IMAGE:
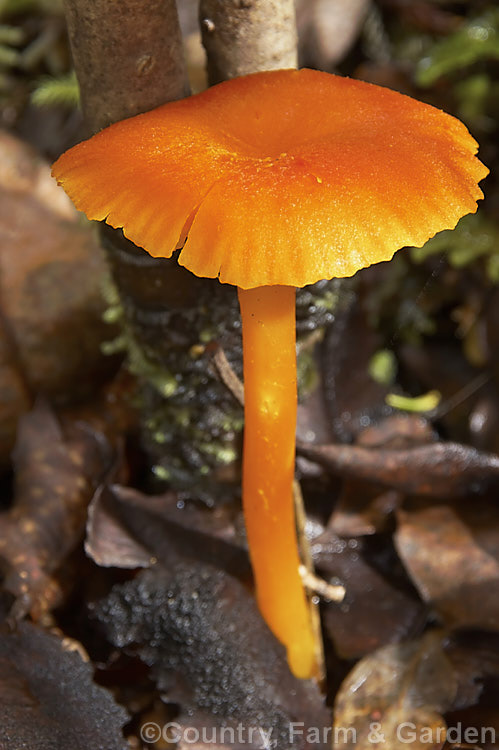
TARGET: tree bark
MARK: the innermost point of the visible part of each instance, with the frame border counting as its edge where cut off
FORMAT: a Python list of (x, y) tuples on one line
[(128, 56), (245, 36)]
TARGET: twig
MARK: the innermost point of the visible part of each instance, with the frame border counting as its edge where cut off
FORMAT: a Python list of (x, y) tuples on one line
[(306, 572), (228, 376), (327, 591)]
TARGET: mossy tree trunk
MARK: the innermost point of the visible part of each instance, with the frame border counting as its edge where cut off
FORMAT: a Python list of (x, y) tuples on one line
[(129, 58)]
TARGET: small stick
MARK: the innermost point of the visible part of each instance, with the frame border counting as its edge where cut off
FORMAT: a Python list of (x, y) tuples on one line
[(307, 574), (327, 591), (228, 376)]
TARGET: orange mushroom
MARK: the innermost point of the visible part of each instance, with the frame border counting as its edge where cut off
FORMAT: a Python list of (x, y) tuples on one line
[(269, 182)]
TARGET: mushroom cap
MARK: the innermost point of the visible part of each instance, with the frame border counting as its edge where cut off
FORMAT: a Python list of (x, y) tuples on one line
[(282, 177)]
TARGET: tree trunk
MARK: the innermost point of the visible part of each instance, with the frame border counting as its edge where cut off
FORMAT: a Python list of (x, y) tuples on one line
[(242, 37), (128, 56)]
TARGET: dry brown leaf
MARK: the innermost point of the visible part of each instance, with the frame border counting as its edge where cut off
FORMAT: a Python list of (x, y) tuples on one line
[(364, 507), (128, 529), (374, 612), (437, 470), (395, 693), (55, 479), (453, 572), (51, 272)]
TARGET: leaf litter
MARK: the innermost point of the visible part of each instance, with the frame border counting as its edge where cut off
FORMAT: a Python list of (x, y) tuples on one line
[(48, 699)]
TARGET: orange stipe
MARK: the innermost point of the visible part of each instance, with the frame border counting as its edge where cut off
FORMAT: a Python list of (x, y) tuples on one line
[(268, 316)]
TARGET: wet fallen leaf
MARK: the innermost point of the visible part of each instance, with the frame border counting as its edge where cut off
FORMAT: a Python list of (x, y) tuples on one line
[(483, 420), (210, 650), (444, 367), (375, 610), (48, 700), (453, 563), (439, 470), (396, 695), (54, 481), (475, 657), (365, 507), (127, 529)]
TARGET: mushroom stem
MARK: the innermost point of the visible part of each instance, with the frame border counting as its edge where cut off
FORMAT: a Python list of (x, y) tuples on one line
[(269, 352)]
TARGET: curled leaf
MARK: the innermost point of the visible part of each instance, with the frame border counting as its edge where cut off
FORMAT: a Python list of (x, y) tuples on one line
[(438, 469)]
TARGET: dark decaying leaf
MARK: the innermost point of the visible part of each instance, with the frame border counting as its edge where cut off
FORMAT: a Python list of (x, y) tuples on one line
[(375, 611), (209, 649), (437, 470), (127, 529), (475, 657), (364, 507), (55, 477), (353, 399), (411, 683), (48, 700), (108, 541), (453, 560)]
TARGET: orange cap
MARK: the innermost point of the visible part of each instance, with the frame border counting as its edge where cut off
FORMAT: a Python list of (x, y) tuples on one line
[(283, 177)]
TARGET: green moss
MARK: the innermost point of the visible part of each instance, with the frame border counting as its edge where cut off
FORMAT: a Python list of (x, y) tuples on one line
[(62, 91), (401, 302), (161, 473), (224, 455), (11, 38), (18, 7), (115, 346), (477, 40), (307, 377)]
